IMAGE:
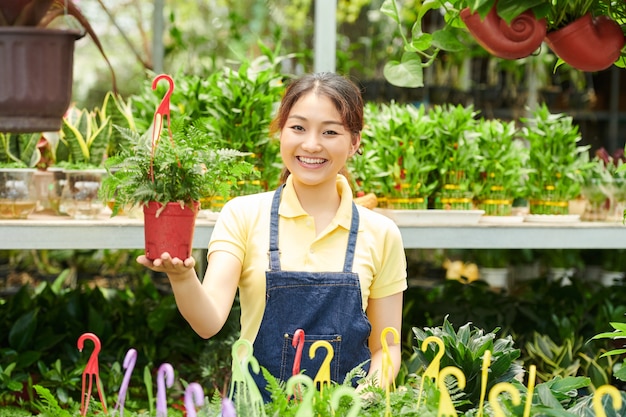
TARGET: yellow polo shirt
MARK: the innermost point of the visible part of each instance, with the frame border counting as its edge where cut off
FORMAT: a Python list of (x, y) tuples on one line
[(243, 230)]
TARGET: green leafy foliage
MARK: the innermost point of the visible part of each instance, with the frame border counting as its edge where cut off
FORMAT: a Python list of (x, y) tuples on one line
[(464, 349), (556, 158), (182, 168), (19, 149)]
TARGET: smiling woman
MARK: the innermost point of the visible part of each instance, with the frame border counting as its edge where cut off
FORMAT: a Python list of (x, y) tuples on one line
[(337, 270)]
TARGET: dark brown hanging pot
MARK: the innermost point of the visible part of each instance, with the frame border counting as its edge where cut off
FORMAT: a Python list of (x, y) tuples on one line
[(36, 73), (517, 40), (588, 43)]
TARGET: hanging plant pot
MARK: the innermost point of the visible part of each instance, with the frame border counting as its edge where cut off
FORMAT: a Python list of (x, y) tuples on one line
[(588, 43), (517, 40), (36, 84), (169, 229)]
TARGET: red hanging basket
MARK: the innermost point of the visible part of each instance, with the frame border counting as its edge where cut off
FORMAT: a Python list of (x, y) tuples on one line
[(588, 43), (169, 229), (518, 40)]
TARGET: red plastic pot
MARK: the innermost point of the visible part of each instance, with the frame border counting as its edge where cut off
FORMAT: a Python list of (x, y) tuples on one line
[(517, 40), (169, 229), (588, 43)]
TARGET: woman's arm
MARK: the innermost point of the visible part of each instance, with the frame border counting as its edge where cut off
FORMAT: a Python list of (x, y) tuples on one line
[(205, 305), (382, 313)]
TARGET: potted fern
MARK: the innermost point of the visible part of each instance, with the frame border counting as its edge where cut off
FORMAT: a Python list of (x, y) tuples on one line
[(167, 174)]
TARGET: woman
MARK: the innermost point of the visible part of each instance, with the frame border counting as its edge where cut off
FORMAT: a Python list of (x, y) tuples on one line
[(303, 256)]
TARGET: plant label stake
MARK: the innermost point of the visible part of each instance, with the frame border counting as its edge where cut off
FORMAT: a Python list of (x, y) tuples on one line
[(165, 378), (92, 371), (129, 364)]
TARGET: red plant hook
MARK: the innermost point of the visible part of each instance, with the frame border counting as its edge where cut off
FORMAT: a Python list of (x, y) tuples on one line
[(162, 113), (92, 370), (298, 343)]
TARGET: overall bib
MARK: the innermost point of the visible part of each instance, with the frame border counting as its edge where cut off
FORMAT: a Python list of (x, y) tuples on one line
[(325, 305)]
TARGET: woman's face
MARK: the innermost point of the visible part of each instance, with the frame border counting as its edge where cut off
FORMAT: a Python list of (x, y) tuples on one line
[(314, 143)]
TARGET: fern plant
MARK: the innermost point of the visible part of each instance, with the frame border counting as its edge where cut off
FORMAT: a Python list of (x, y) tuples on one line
[(182, 168)]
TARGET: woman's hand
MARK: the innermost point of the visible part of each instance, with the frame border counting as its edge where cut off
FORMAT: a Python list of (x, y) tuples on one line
[(175, 268)]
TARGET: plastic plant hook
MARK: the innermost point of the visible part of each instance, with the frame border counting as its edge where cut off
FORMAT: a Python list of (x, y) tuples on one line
[(298, 343), (323, 374), (612, 392), (387, 364), (499, 388), (129, 364), (91, 371), (162, 113), (446, 406), (194, 397), (165, 377), (305, 409), (346, 391), (532, 376), (242, 385), (432, 371), (484, 378)]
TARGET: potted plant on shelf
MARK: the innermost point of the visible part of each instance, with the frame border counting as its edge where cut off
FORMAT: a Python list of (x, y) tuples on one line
[(556, 159), (81, 151), (501, 167), (454, 141), (404, 157), (167, 174), (19, 155), (36, 62)]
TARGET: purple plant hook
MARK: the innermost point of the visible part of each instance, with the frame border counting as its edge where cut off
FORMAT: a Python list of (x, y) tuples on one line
[(228, 408), (165, 377), (129, 364), (194, 397)]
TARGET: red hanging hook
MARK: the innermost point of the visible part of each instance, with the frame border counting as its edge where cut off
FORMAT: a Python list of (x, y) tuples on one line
[(92, 370), (298, 343), (162, 113)]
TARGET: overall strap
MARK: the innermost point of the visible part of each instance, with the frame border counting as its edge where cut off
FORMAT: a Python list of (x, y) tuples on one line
[(274, 251), (350, 250)]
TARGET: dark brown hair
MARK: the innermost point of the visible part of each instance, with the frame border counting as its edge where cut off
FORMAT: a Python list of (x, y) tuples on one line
[(345, 95)]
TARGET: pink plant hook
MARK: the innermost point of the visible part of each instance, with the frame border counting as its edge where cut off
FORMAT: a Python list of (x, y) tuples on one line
[(298, 343), (165, 378), (194, 397), (129, 364), (91, 370), (162, 113)]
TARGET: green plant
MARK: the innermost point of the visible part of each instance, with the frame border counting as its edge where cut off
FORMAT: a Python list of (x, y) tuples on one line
[(618, 334), (502, 161), (403, 156), (464, 348), (19, 149), (556, 159), (85, 134), (182, 168)]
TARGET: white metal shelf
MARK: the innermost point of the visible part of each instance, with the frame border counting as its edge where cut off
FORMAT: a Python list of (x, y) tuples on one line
[(49, 232)]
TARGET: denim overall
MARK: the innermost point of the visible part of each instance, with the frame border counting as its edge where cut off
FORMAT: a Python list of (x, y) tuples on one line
[(325, 305)]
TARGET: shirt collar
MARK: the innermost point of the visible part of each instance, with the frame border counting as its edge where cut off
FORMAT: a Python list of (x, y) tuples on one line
[(290, 205)]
